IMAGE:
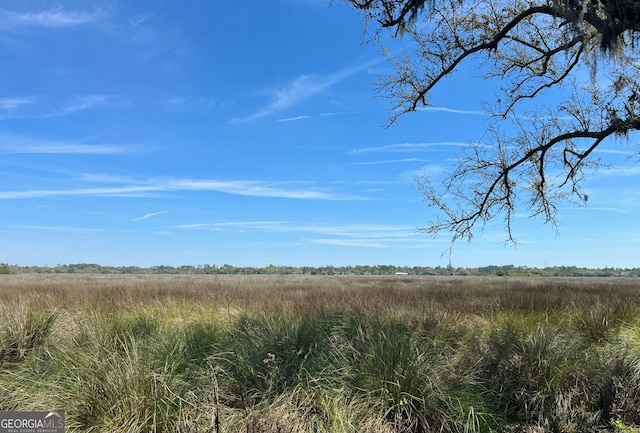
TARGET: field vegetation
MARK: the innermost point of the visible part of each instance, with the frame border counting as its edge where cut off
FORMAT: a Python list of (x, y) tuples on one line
[(302, 353), (483, 271)]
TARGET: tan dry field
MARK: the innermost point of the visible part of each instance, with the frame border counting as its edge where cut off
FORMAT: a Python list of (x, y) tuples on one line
[(302, 353), (468, 295)]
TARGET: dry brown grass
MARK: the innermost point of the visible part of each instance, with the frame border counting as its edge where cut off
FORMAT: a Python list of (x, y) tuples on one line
[(296, 293), (275, 353)]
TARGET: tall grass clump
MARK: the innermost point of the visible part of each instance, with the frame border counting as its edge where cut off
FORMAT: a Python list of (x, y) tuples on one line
[(271, 354), (409, 373), (601, 322), (121, 372), (143, 377), (122, 390), (541, 373), (623, 361), (22, 329)]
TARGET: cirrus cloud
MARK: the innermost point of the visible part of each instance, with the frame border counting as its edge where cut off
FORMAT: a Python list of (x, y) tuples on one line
[(47, 18)]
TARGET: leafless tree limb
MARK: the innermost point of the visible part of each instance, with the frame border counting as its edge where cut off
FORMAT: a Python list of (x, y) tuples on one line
[(533, 47)]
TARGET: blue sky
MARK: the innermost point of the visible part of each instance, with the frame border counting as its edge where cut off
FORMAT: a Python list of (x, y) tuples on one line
[(249, 133)]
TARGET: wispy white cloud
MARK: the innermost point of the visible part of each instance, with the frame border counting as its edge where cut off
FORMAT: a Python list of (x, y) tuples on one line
[(347, 235), (10, 104), (136, 20), (47, 18), (430, 170), (368, 231), (455, 111), (238, 187), (59, 229), (15, 144), (486, 113), (254, 188), (337, 113), (390, 161), (620, 171), (149, 215), (105, 178), (194, 226), (605, 209), (408, 147), (362, 243), (291, 119), (182, 104), (175, 103), (302, 88), (163, 232), (299, 3), (41, 108), (616, 152), (89, 102), (415, 241), (83, 149), (251, 224), (242, 225), (44, 193)]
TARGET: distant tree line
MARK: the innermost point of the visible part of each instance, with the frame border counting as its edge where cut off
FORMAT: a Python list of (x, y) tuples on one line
[(492, 270)]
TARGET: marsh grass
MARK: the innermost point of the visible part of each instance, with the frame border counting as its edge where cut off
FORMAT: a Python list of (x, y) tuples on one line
[(322, 354), (23, 328)]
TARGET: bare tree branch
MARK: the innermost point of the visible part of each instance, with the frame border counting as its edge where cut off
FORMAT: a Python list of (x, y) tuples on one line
[(533, 48)]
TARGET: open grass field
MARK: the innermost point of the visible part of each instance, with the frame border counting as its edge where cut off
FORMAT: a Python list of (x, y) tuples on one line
[(181, 353)]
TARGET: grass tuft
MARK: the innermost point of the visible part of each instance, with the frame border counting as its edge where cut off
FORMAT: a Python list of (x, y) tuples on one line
[(22, 329)]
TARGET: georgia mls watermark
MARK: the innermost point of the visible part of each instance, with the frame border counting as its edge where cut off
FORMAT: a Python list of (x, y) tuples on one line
[(32, 422)]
